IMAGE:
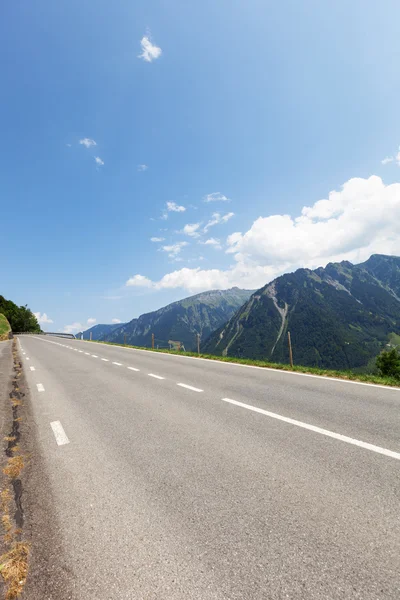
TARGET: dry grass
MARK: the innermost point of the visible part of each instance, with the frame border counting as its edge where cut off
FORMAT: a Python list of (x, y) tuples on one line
[(10, 438), (14, 569), (6, 522), (14, 467), (16, 402), (5, 499)]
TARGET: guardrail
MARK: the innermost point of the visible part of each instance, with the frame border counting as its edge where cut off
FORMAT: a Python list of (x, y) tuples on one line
[(52, 333)]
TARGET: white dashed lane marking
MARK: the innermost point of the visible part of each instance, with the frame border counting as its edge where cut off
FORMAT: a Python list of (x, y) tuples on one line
[(189, 387), (105, 359), (32, 368), (155, 376), (59, 433), (40, 387), (27, 357), (95, 356), (133, 369), (118, 364)]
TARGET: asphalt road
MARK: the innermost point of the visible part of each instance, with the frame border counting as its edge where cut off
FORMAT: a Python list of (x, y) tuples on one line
[(160, 491)]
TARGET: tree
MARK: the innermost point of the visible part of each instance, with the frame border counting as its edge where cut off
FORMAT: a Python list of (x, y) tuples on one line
[(388, 362), (20, 318)]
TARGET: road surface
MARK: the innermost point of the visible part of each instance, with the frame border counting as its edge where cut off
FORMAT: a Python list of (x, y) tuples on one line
[(174, 478)]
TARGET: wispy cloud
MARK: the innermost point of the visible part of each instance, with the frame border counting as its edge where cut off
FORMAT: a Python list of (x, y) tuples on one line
[(42, 318), (150, 51), (73, 328), (174, 250), (218, 219), (99, 161), (387, 160), (216, 197), (173, 207), (142, 168), (191, 229), (91, 321), (157, 239), (115, 321), (87, 142), (214, 242)]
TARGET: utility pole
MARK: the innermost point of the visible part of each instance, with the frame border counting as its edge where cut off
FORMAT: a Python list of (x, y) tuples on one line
[(290, 349), (198, 344), (152, 341)]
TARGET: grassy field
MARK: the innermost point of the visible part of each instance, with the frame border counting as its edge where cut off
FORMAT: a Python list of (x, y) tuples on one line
[(4, 327), (349, 375)]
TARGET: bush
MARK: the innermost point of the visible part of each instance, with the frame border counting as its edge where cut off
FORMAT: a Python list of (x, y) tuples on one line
[(388, 363)]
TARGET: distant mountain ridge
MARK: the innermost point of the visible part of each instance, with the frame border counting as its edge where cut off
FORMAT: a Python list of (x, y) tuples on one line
[(182, 320), (339, 316), (100, 330)]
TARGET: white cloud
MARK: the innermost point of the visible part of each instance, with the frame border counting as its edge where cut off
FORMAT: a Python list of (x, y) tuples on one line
[(115, 321), (218, 219), (87, 142), (139, 281), (174, 249), (150, 51), (42, 318), (142, 168), (157, 239), (387, 160), (351, 224), (99, 161), (216, 197), (73, 328), (214, 242), (91, 321), (398, 158), (173, 207), (191, 229)]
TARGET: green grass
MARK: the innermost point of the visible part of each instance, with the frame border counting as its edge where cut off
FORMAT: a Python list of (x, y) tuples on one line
[(4, 327), (349, 375)]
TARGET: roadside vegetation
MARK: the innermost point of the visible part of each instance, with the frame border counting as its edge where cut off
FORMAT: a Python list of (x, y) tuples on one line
[(383, 375), (20, 318), (4, 327)]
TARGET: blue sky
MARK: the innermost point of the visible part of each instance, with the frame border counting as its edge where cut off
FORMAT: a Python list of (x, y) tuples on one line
[(263, 108)]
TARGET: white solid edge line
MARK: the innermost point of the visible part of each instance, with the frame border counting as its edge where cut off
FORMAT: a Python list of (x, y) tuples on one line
[(118, 364), (326, 432), (155, 376), (133, 369), (40, 387), (105, 359), (59, 433), (32, 368), (233, 364), (189, 387)]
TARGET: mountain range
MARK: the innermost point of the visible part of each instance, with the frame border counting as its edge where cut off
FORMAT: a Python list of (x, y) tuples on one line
[(180, 321), (339, 317)]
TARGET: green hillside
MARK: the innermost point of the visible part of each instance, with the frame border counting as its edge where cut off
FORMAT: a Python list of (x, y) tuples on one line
[(4, 327), (339, 317)]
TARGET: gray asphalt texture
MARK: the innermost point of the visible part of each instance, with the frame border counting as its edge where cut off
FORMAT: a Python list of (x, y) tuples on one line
[(165, 493)]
